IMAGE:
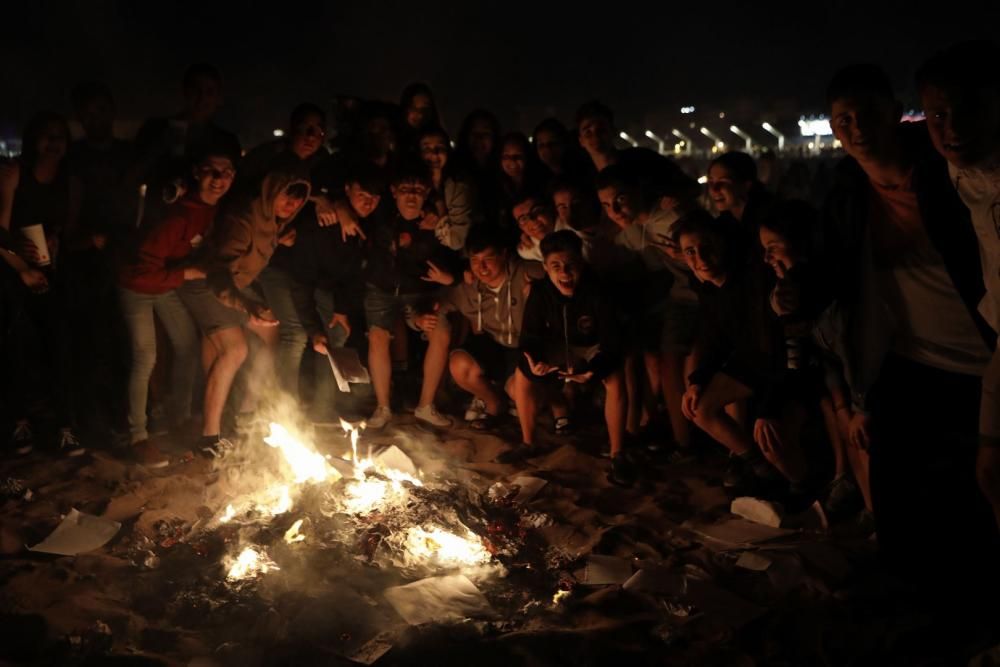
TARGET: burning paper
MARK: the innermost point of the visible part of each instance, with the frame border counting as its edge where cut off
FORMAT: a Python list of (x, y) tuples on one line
[(306, 463), (292, 535), (377, 483), (446, 549), (438, 599), (249, 564)]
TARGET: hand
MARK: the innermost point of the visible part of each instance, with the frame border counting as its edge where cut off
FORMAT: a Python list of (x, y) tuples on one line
[(765, 434), (785, 298), (29, 251), (525, 243), (427, 322), (288, 240), (263, 317), (689, 402), (860, 431), (326, 215), (467, 277), (429, 221), (668, 246), (35, 280), (436, 275), (193, 273), (342, 320), (319, 343), (10, 176), (539, 368), (579, 378)]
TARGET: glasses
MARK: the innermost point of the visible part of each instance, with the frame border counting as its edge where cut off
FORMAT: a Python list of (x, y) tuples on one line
[(217, 174), (537, 213)]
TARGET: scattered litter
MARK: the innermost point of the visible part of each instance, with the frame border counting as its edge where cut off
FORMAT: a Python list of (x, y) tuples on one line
[(749, 560), (604, 570), (438, 599), (759, 511), (78, 533)]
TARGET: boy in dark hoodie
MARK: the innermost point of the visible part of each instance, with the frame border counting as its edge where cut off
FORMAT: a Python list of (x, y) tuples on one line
[(569, 334), (229, 298), (407, 266)]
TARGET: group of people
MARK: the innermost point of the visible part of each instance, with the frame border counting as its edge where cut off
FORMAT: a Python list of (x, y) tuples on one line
[(536, 275)]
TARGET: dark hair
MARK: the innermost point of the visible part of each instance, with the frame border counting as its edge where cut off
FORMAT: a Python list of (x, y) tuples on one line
[(564, 240), (615, 176), (484, 237), (411, 170), (411, 91), (33, 130), (797, 222), (519, 198), (516, 138), (964, 66), (740, 166), (303, 111), (198, 70), (367, 175), (84, 93), (462, 149), (594, 109), (218, 144), (859, 80), (552, 125)]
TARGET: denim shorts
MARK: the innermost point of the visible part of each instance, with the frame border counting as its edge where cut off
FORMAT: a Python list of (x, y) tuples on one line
[(383, 309), (208, 312)]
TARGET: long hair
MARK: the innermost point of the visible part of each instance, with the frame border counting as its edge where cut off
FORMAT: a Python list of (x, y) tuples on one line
[(34, 129)]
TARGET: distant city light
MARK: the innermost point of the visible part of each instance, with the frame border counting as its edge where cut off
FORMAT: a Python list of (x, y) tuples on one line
[(279, 133), (687, 109), (815, 126)]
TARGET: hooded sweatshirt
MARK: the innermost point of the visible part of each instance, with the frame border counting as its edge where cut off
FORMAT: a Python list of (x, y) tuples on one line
[(585, 319), (249, 234), (499, 313)]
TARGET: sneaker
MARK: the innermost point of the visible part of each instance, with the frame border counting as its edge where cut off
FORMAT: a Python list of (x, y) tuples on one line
[(563, 426), (149, 455), (22, 441), (379, 418), (430, 415), (476, 409), (69, 444), (842, 497), (215, 447), (622, 473)]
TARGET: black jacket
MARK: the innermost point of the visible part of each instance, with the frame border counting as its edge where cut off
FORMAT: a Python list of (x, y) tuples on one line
[(399, 252)]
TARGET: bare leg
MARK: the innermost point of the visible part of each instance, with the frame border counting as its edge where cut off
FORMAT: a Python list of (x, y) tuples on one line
[(526, 400), (861, 466), (435, 361), (614, 411), (231, 349), (787, 456), (262, 370), (634, 392), (837, 439), (469, 376), (712, 416), (380, 364), (672, 380)]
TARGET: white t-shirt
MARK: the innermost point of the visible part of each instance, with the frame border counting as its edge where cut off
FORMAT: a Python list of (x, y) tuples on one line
[(980, 190)]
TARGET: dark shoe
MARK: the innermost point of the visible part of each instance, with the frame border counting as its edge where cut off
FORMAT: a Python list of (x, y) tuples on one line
[(843, 497), (516, 455), (149, 455), (563, 426), (22, 441), (622, 473), (69, 444)]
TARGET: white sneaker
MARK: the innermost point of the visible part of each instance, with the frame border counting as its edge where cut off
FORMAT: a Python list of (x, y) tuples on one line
[(430, 415), (69, 445), (379, 418), (477, 408)]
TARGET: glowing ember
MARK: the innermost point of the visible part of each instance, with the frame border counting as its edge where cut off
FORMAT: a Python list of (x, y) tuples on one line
[(307, 464), (228, 516), (292, 535), (559, 597), (250, 563), (444, 548)]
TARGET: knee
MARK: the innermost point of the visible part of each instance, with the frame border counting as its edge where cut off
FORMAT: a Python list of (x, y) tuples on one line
[(378, 338), (460, 366), (234, 352)]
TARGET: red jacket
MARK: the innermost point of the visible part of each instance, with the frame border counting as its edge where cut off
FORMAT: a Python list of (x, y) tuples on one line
[(160, 265)]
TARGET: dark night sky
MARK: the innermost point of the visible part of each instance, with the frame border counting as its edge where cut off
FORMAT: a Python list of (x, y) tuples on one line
[(519, 58)]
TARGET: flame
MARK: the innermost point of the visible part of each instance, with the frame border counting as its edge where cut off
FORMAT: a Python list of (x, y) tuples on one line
[(306, 463), (445, 548), (250, 563), (367, 492), (559, 597), (292, 535), (228, 516)]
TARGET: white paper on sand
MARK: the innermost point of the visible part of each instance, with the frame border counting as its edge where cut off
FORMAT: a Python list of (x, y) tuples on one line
[(347, 368), (394, 458), (736, 533), (78, 533), (749, 560), (759, 511), (604, 570), (530, 486), (438, 599)]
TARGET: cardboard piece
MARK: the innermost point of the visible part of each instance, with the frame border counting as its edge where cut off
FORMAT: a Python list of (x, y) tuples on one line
[(438, 599), (78, 533), (750, 560), (373, 649), (347, 368), (759, 511), (394, 458)]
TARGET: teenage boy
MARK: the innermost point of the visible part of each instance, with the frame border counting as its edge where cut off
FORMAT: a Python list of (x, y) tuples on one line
[(407, 265), (493, 303), (962, 103), (569, 335)]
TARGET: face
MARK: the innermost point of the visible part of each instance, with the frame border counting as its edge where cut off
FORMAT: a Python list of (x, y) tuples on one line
[(410, 199), (595, 135), (381, 138), (703, 258), (550, 149), (202, 98), (52, 142), (363, 202), (97, 116), (214, 177), (434, 151), (307, 137), (618, 205), (726, 193), (865, 127), (419, 111), (489, 266), (564, 269), (964, 125), (564, 201), (513, 160), (534, 219), (777, 254), (481, 140), (289, 201)]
